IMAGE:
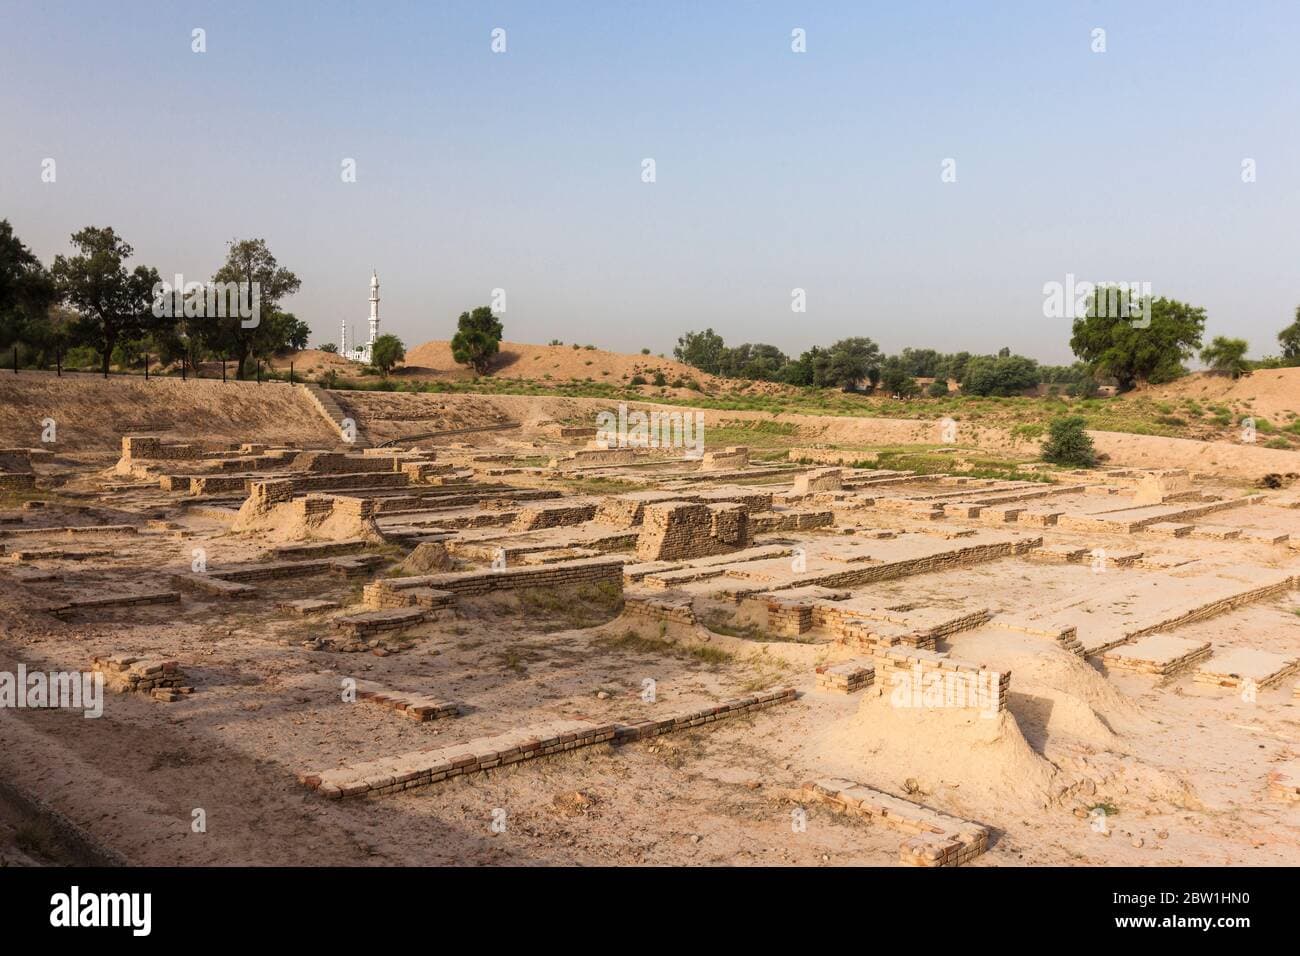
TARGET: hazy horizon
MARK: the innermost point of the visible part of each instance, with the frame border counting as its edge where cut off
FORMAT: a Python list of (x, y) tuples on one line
[(775, 170)]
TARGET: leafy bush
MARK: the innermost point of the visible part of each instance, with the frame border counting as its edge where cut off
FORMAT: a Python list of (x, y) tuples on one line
[(938, 389), (1068, 443)]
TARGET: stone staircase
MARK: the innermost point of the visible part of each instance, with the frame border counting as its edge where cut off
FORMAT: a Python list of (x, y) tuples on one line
[(329, 406)]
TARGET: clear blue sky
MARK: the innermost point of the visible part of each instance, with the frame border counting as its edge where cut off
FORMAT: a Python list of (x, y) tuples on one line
[(775, 170)]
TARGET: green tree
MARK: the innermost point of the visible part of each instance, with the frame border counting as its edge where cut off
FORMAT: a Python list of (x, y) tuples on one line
[(800, 371), (1068, 443), (1122, 349), (1001, 375), (847, 363), (477, 339), (26, 292), (388, 350), (757, 362), (938, 388), (1289, 339), (896, 377), (250, 263), (112, 304), (1226, 356), (921, 363), (703, 350)]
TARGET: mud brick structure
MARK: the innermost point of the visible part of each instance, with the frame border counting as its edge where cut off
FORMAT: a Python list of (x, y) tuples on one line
[(681, 529), (725, 459), (433, 765), (147, 448), (368, 624), (819, 479), (699, 716), (965, 683), (553, 516), (1039, 517), (1130, 520), (847, 677), (1242, 666), (421, 768), (99, 602), (787, 616), (418, 707), (11, 482), (595, 458), (936, 839), (1157, 654), (1169, 529), (771, 522), (1066, 635), (877, 628), (218, 587), (913, 508), (304, 606), (628, 511), (673, 609), (126, 674), (58, 554), (404, 592)]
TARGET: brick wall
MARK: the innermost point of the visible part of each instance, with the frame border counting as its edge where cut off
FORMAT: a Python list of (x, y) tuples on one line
[(684, 530)]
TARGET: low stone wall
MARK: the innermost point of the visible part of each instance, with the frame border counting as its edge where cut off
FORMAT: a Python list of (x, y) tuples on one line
[(1131, 520), (552, 516), (417, 707), (847, 677), (698, 717), (773, 522), (368, 624), (11, 482), (819, 479), (393, 592), (1158, 654), (424, 767), (734, 457), (674, 610), (937, 838)]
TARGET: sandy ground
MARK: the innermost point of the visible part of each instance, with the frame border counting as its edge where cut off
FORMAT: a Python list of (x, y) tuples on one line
[(1271, 393)]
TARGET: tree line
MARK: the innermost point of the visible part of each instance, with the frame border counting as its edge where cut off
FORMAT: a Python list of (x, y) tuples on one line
[(857, 364), (94, 306), (1148, 341)]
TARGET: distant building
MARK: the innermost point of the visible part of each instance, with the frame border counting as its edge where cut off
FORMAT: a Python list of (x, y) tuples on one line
[(362, 353)]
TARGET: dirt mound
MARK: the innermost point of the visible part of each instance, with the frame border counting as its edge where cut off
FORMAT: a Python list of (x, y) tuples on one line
[(92, 413), (1272, 393), (1054, 694), (428, 557), (970, 761), (518, 360)]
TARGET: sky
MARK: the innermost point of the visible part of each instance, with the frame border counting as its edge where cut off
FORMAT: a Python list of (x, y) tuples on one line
[(774, 170)]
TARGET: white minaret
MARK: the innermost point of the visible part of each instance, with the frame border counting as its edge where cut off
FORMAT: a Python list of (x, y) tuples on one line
[(343, 338), (374, 306)]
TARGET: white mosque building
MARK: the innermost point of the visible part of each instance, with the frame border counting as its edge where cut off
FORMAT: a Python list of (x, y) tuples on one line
[(362, 352)]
